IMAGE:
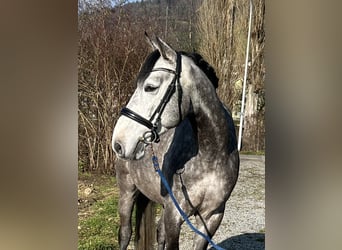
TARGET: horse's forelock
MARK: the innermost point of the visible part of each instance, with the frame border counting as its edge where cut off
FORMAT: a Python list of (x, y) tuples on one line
[(147, 66), (152, 58)]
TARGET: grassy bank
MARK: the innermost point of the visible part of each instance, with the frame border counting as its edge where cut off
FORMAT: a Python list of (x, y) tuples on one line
[(98, 218)]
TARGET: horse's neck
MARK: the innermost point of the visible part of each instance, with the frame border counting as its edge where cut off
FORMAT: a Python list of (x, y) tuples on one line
[(212, 127)]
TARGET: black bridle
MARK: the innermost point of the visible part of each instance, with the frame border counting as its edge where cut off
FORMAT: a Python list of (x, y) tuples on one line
[(153, 135)]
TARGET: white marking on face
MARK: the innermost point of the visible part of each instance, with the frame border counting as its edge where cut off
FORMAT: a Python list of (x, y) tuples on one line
[(144, 101)]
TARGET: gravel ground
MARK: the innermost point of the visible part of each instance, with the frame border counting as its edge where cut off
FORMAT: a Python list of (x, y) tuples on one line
[(243, 225)]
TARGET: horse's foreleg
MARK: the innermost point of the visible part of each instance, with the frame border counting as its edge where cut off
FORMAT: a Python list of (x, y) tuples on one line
[(128, 192), (172, 226), (161, 233), (207, 225), (126, 203)]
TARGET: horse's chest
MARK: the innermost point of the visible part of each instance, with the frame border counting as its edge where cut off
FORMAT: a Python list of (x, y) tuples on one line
[(147, 181)]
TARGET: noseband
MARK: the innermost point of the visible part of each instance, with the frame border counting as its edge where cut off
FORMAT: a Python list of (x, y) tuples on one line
[(154, 123)]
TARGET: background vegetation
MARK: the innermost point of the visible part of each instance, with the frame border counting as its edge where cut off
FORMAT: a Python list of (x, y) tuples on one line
[(112, 47)]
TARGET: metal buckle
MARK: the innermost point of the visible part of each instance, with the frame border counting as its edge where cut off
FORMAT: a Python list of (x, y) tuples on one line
[(150, 137)]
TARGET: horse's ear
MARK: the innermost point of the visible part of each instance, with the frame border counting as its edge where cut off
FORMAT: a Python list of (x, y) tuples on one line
[(165, 50), (152, 43)]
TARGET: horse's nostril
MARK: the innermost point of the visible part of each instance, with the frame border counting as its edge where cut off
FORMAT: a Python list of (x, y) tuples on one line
[(118, 149)]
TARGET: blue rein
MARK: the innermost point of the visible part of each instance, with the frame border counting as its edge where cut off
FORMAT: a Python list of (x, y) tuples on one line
[(182, 213)]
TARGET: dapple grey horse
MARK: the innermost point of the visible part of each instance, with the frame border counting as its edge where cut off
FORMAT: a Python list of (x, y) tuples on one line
[(176, 108)]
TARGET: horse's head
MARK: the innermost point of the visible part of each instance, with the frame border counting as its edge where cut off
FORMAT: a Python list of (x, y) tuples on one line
[(159, 102)]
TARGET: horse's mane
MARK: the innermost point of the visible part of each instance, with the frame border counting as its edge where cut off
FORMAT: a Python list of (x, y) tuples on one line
[(197, 58), (204, 66)]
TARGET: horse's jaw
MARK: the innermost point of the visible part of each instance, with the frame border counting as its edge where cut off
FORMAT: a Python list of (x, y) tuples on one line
[(139, 152)]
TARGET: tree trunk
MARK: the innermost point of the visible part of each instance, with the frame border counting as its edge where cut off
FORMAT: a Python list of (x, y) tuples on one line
[(254, 126), (250, 126)]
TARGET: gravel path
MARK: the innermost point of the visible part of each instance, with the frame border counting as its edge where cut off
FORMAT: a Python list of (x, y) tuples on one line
[(243, 225)]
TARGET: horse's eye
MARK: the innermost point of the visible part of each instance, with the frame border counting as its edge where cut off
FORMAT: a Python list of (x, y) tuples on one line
[(150, 88)]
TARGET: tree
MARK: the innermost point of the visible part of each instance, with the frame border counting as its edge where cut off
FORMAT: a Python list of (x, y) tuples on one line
[(222, 28), (216, 24), (254, 126)]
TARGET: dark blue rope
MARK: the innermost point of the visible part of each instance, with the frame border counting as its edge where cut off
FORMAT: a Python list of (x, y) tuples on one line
[(185, 217)]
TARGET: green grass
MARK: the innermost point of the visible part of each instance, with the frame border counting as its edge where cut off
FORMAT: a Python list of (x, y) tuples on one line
[(98, 231), (99, 223)]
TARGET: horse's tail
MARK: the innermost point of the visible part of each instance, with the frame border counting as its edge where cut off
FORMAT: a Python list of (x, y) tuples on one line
[(145, 233)]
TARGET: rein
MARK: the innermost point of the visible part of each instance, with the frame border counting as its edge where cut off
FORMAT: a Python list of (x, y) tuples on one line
[(154, 123), (173, 198)]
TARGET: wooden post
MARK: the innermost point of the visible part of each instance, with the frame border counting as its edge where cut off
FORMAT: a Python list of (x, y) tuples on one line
[(145, 230)]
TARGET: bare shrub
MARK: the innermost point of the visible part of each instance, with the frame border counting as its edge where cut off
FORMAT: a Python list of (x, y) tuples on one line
[(111, 50)]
